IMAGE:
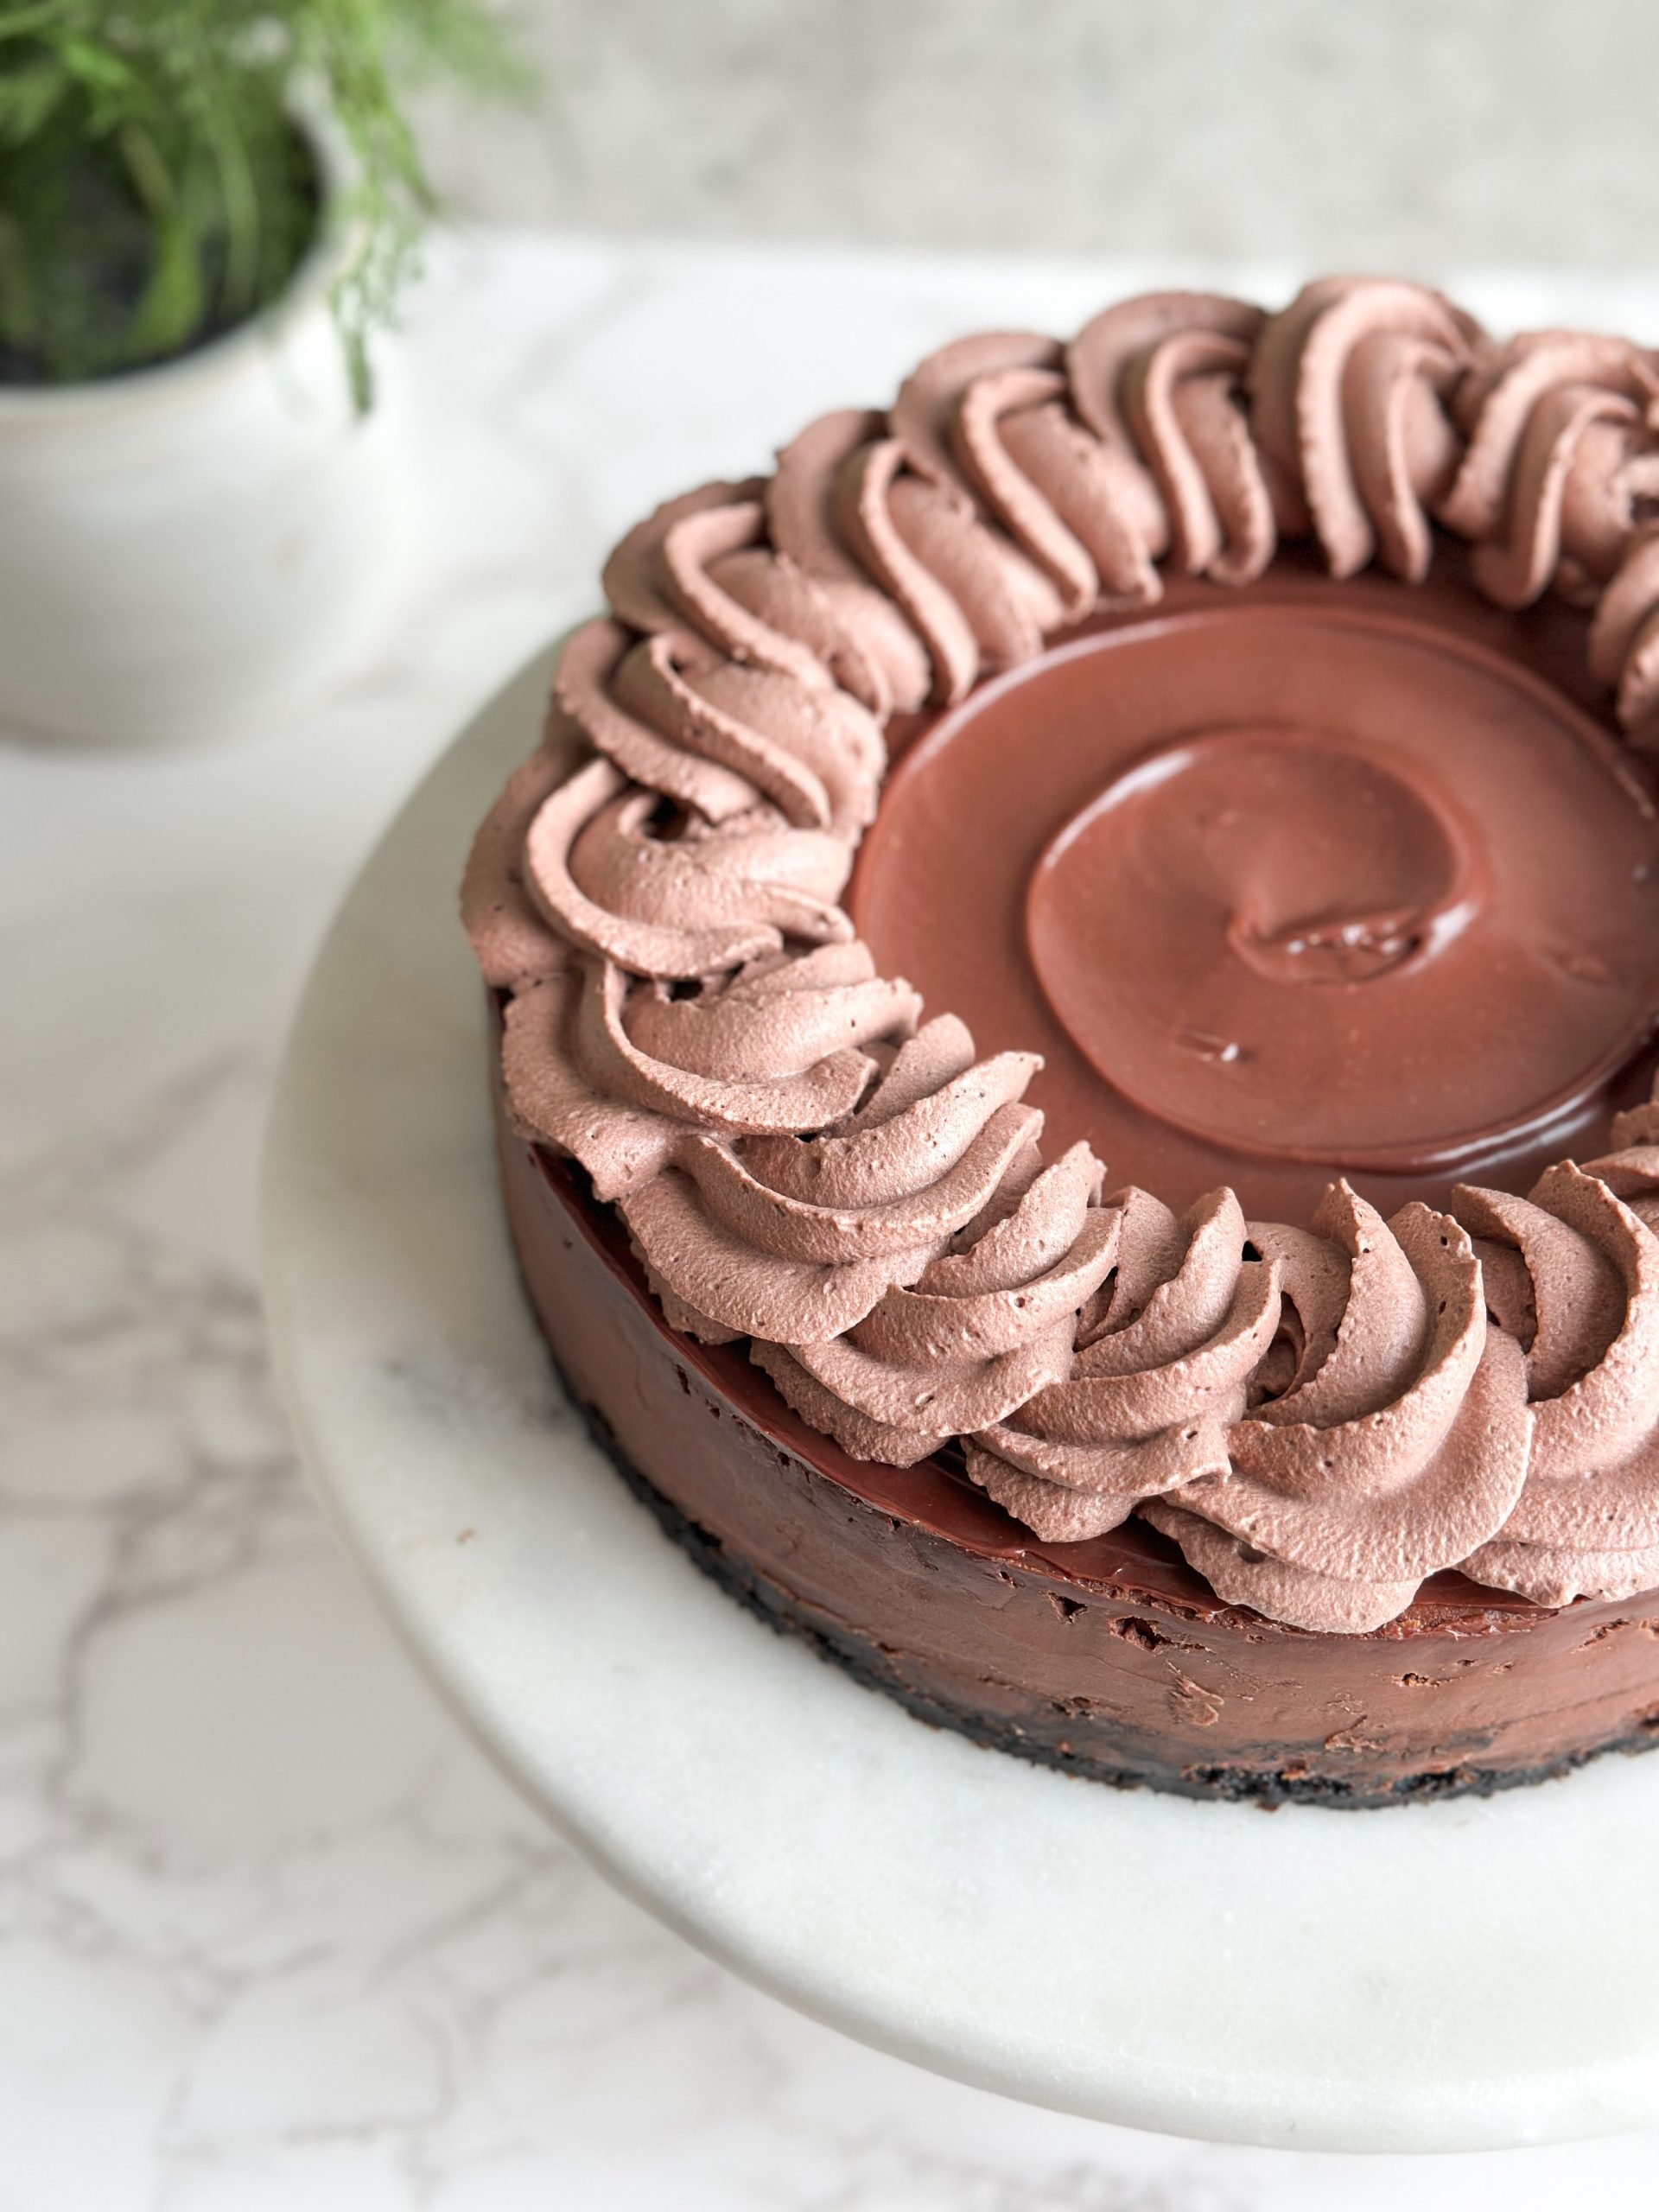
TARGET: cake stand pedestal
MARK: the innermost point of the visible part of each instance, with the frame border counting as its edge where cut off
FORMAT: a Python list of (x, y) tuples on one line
[(1449, 1976)]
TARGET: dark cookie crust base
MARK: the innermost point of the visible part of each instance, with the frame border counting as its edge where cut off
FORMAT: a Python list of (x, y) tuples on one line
[(1109, 1659)]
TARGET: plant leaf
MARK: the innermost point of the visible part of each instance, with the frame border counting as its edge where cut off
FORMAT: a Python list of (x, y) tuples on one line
[(153, 186)]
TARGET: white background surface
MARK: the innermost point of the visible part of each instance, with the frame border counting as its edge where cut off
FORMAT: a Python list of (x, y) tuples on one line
[(274, 1936), (1406, 134)]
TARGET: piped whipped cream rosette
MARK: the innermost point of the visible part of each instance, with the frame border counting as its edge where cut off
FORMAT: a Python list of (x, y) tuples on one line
[(986, 1326), (1163, 1367), (1559, 454), (1160, 382), (1587, 1523), (1321, 1417), (695, 905), (1624, 636), (1401, 1444), (618, 1071), (1351, 386), (794, 1240)]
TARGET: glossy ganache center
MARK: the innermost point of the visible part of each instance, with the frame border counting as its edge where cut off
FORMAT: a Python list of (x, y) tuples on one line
[(1246, 931), (1282, 890)]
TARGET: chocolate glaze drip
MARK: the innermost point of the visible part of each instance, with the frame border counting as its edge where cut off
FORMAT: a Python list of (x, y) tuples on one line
[(1282, 883)]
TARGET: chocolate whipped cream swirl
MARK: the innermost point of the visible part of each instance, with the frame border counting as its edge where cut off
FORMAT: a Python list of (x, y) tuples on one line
[(1319, 1417), (1163, 1367), (1393, 1391)]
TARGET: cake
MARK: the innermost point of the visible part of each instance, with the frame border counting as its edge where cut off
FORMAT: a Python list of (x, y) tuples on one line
[(1075, 977)]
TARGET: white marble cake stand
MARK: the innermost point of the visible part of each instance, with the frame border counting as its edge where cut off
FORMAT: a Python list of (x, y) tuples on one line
[(1449, 1976)]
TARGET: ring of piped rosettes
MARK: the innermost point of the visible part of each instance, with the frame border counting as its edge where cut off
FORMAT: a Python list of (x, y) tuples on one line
[(1319, 1417)]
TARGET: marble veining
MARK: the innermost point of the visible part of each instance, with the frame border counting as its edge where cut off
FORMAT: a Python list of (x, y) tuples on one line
[(272, 1932)]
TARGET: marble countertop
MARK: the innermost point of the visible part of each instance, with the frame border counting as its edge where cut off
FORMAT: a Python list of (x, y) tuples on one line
[(272, 1932)]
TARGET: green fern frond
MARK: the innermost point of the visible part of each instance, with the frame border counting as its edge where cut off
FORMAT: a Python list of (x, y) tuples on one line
[(155, 190)]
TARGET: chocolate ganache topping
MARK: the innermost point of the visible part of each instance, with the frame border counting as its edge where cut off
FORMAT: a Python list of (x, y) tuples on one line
[(1336, 905)]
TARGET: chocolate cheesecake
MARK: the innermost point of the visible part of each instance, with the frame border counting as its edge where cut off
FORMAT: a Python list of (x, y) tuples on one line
[(1221, 1350)]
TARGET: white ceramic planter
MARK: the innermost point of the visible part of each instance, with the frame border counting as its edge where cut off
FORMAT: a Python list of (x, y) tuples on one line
[(191, 550)]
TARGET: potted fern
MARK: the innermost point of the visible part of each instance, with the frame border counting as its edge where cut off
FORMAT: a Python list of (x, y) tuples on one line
[(207, 209)]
